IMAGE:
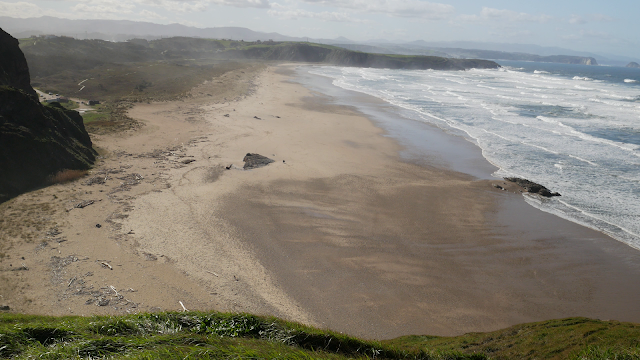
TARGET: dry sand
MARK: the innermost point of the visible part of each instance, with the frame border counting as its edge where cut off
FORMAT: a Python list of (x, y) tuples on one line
[(338, 232)]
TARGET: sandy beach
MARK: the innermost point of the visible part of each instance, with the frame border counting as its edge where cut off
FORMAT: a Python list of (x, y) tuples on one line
[(340, 232)]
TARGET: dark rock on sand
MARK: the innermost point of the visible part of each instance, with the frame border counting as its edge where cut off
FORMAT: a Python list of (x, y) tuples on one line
[(253, 161), (532, 187)]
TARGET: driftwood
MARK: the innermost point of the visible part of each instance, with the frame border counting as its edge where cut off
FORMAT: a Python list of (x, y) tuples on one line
[(183, 308), (84, 204), (106, 264), (211, 272)]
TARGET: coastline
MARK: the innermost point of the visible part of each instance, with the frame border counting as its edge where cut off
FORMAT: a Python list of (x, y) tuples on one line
[(346, 233)]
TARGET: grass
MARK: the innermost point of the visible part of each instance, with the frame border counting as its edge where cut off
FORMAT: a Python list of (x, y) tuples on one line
[(89, 117), (574, 338), (213, 335), (136, 82), (71, 105), (192, 335)]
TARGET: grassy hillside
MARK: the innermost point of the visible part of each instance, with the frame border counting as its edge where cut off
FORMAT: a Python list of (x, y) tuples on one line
[(196, 335), (47, 57)]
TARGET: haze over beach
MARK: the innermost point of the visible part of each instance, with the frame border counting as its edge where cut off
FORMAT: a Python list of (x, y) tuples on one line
[(382, 169)]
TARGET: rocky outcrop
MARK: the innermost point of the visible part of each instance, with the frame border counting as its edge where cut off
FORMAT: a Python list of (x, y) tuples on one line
[(36, 141), (565, 59), (633, 64), (532, 187), (253, 161), (14, 71)]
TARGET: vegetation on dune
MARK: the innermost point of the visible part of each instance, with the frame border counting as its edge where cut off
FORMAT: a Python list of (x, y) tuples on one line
[(573, 338), (212, 335), (137, 82)]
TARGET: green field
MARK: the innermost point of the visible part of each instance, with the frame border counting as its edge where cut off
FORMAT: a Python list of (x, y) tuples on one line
[(213, 335)]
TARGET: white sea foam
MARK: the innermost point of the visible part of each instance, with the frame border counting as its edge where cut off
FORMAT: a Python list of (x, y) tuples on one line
[(630, 80), (569, 137)]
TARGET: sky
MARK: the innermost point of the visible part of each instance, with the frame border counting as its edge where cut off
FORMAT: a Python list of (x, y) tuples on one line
[(611, 27)]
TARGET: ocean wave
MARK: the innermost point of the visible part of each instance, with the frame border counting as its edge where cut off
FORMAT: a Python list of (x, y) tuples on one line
[(540, 72), (630, 81), (577, 144)]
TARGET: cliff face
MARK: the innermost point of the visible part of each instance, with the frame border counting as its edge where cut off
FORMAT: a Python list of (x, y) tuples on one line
[(13, 66), (36, 141)]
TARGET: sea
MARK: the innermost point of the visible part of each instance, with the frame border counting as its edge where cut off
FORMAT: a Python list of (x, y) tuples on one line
[(572, 128)]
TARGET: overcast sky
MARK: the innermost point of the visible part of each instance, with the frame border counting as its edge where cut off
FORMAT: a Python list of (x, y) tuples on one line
[(599, 26)]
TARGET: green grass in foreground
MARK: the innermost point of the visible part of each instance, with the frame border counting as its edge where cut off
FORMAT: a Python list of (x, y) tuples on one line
[(197, 335), (192, 335)]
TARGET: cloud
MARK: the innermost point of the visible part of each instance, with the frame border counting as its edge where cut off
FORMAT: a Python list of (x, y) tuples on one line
[(579, 20), (20, 9), (294, 14), (187, 6), (264, 4), (104, 7), (151, 15), (176, 6), (395, 8), (517, 34), (588, 34), (490, 15), (601, 18)]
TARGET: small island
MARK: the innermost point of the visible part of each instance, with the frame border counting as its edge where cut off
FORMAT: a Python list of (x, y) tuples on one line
[(633, 64)]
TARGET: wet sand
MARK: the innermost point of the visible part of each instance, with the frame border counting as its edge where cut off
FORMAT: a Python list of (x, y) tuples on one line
[(350, 229)]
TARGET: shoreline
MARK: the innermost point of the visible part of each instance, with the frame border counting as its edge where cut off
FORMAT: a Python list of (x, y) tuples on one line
[(340, 232)]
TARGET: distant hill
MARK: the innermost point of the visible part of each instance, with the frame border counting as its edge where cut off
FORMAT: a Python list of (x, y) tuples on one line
[(501, 55), (337, 56), (413, 49), (633, 65), (48, 56)]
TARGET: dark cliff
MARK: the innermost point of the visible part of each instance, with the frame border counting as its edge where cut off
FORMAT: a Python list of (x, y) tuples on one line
[(13, 66), (36, 141)]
